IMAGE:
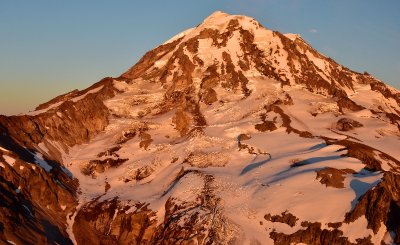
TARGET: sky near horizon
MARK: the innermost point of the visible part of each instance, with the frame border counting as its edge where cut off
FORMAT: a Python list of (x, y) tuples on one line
[(50, 47)]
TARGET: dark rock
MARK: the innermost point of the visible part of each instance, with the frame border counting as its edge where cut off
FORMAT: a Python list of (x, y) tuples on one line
[(145, 140), (34, 204), (285, 217), (100, 166), (266, 126), (107, 222), (333, 177), (346, 124), (110, 152), (380, 205), (243, 137), (315, 235)]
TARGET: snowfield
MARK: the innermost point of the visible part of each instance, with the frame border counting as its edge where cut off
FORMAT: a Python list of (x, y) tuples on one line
[(233, 132), (250, 185)]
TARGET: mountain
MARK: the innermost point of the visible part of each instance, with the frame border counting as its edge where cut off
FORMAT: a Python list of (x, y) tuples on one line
[(228, 133)]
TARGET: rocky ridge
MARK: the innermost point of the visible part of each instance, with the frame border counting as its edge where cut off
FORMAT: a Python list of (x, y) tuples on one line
[(222, 135)]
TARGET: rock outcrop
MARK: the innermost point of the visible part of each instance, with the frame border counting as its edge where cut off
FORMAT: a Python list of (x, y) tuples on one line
[(229, 133)]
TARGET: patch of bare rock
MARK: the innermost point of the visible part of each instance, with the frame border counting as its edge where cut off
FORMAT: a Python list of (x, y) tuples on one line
[(333, 177), (346, 124)]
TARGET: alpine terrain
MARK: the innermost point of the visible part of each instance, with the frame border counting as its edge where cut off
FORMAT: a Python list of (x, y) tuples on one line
[(228, 133)]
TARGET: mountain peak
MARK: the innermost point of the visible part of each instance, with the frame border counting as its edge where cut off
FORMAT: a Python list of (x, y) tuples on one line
[(220, 20), (249, 49), (218, 14), (194, 141)]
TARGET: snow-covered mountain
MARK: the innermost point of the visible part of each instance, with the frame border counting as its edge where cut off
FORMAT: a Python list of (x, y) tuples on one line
[(228, 133)]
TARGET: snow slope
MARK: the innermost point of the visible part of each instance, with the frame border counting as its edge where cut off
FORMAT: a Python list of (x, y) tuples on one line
[(254, 134)]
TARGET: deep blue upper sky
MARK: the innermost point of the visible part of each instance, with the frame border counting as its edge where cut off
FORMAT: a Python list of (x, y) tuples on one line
[(49, 47)]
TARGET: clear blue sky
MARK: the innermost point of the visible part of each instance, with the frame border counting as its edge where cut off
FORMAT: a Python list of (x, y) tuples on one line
[(49, 47)]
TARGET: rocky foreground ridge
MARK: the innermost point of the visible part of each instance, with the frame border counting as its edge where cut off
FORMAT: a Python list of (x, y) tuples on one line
[(229, 133)]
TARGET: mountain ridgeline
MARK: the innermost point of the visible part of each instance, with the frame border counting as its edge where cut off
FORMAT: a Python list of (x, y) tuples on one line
[(228, 133)]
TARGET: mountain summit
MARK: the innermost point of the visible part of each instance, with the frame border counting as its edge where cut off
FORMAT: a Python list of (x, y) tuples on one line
[(228, 133)]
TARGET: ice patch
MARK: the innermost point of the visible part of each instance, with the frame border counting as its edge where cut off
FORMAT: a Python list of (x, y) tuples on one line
[(42, 163), (67, 172), (27, 209), (389, 237)]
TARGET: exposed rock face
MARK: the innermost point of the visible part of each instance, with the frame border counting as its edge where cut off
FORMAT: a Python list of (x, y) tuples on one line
[(34, 203), (315, 235), (113, 222), (226, 134), (100, 166), (140, 173), (110, 222), (145, 140), (59, 124), (333, 177), (346, 124), (285, 217), (45, 197), (368, 155), (203, 160), (380, 206), (266, 125), (182, 122), (199, 222), (383, 89)]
